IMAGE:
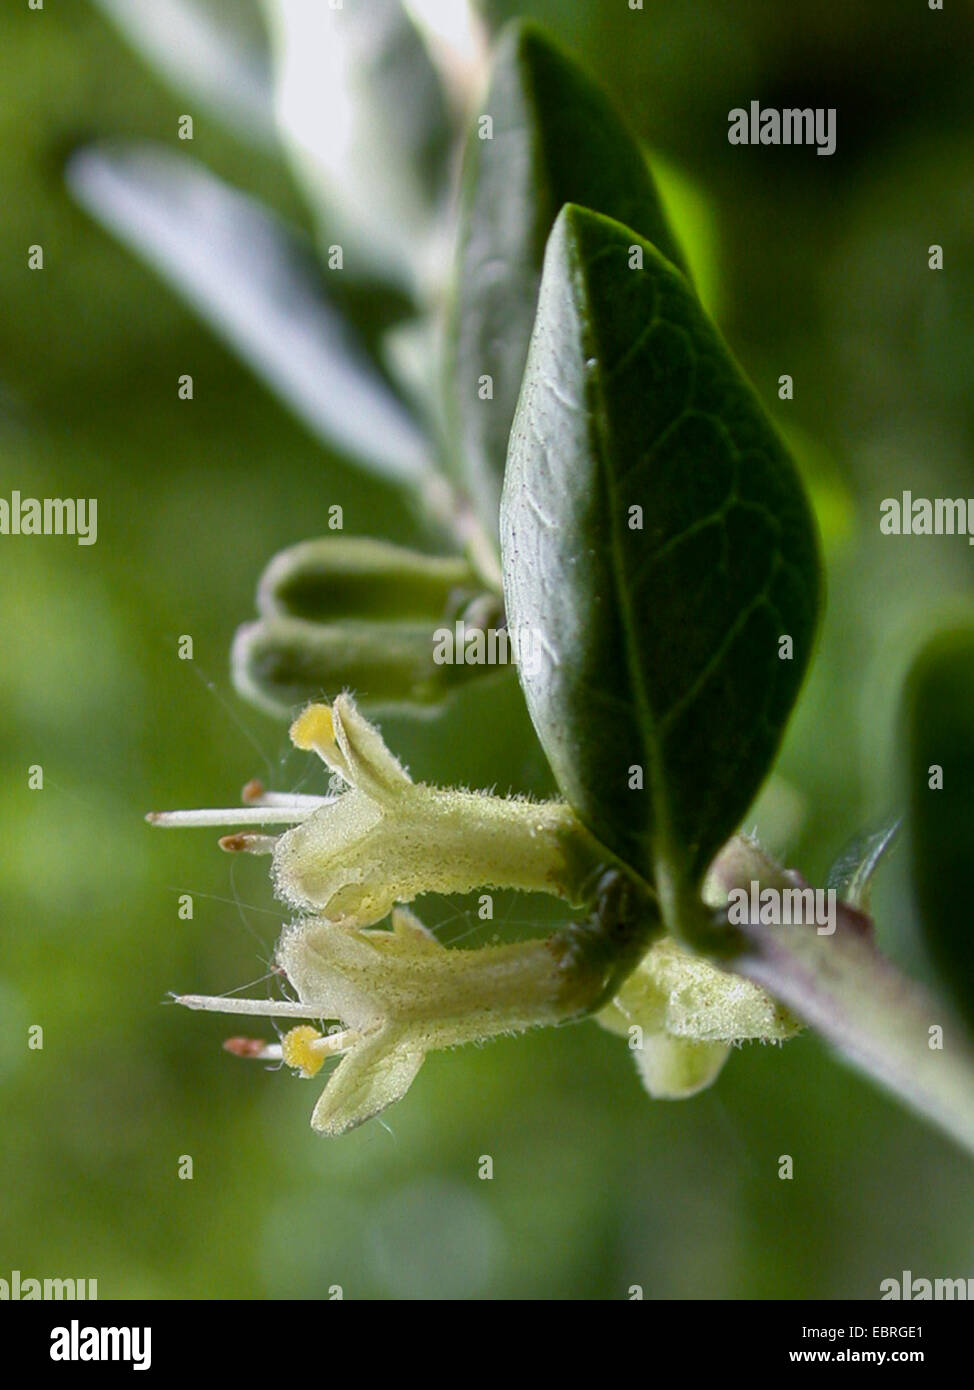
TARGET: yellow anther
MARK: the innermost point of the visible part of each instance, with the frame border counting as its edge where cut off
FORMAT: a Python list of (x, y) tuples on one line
[(313, 729), (298, 1050)]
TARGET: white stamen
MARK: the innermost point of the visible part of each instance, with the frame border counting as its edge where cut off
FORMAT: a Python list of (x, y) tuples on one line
[(235, 815), (266, 1008)]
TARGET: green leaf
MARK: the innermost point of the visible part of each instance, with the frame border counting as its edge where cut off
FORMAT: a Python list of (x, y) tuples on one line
[(556, 139), (257, 285), (659, 646), (691, 213), (939, 709), (852, 873)]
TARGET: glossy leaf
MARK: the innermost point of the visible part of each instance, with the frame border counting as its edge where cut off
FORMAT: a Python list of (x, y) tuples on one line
[(658, 543), (256, 284), (555, 139), (692, 214), (940, 738)]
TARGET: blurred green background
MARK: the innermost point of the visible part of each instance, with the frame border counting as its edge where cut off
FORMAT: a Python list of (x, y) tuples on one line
[(822, 274)]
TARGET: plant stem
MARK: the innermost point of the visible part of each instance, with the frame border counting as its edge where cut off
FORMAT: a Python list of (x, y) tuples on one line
[(885, 1024)]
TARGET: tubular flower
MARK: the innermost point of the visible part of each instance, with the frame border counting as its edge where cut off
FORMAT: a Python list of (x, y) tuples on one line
[(384, 998), (388, 839), (347, 861), (682, 1015), (398, 994), (401, 994)]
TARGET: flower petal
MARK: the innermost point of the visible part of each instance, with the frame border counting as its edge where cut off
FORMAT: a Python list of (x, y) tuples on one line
[(344, 865), (371, 766), (674, 1068), (376, 1073), (334, 972)]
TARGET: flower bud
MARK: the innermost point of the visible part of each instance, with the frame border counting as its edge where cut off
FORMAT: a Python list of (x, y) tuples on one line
[(340, 578)]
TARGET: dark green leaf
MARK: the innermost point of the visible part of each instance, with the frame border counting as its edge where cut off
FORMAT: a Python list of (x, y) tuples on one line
[(851, 874), (940, 738), (659, 646), (556, 139)]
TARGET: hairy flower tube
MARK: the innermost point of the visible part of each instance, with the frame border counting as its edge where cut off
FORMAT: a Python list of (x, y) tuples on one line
[(389, 839), (400, 994), (386, 997)]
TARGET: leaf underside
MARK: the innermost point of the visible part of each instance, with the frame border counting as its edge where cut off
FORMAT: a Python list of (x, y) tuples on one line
[(255, 282)]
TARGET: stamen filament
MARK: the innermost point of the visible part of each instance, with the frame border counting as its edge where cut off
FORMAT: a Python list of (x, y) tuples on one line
[(235, 815), (265, 1008)]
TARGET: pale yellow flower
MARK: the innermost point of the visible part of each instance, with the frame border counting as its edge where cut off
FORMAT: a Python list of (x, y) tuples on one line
[(392, 996)]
